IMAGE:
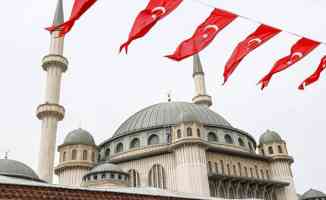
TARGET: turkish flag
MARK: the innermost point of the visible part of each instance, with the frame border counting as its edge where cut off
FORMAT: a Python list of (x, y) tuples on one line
[(298, 51), (253, 41), (204, 34), (79, 8), (315, 76), (147, 18)]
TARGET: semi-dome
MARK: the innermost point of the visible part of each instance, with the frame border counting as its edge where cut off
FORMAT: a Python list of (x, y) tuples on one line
[(270, 137), (17, 169), (79, 136), (313, 194), (167, 114), (106, 167)]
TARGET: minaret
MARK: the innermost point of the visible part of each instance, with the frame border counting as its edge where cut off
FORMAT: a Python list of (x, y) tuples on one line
[(51, 112), (201, 97)]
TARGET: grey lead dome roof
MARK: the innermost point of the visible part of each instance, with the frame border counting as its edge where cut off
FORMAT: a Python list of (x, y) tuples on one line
[(312, 194), (167, 114), (79, 136), (105, 167), (16, 169), (270, 137)]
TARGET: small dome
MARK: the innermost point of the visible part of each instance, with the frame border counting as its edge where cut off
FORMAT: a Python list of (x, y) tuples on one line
[(17, 169), (185, 117), (106, 167), (270, 137), (313, 194), (79, 136)]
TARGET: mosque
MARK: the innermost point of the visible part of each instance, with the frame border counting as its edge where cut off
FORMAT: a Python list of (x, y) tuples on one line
[(170, 150)]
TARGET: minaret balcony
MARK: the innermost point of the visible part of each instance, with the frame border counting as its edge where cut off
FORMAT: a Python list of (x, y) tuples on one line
[(48, 109), (56, 61), (203, 100)]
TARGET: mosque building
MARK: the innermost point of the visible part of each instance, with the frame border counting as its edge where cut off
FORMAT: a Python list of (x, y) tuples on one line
[(170, 150)]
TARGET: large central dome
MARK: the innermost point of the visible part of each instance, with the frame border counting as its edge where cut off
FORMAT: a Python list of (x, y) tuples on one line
[(167, 114)]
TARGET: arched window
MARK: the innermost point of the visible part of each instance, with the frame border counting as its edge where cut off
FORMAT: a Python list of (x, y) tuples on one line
[(74, 154), (270, 150), (153, 139), (134, 180), (212, 137), (246, 171), (235, 171), (179, 135), (280, 150), (251, 172), (262, 174), (267, 174), (209, 163), (198, 132), (241, 142), (262, 152), (229, 169), (119, 148), (157, 178), (64, 156), (222, 167), (135, 143), (107, 154), (250, 147), (85, 155), (93, 157), (228, 139), (216, 168), (189, 132), (240, 169), (257, 173)]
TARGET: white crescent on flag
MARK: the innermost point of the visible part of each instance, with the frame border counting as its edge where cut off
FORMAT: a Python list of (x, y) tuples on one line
[(156, 9), (256, 40), (210, 26), (294, 55)]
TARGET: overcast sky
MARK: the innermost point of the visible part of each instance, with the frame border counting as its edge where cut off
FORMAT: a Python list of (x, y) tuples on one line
[(101, 88)]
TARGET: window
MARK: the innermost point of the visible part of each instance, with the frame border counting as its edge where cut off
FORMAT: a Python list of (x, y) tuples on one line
[(74, 154), (103, 176), (251, 172), (107, 154), (267, 174), (93, 156), (95, 177), (189, 132), (179, 135), (262, 174), (240, 169), (228, 139), (119, 148), (157, 177), (222, 166), (209, 167), (270, 150), (85, 153), (153, 139), (134, 180), (64, 156), (279, 149), (262, 152), (135, 143), (256, 169), (198, 132), (112, 176), (235, 171), (119, 177), (250, 147), (212, 137), (246, 171), (241, 142), (228, 168), (216, 168)]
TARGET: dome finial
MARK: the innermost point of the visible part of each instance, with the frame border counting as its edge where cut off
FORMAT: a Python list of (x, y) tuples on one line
[(6, 154)]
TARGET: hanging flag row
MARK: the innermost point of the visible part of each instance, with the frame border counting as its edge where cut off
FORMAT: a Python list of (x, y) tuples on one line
[(204, 34)]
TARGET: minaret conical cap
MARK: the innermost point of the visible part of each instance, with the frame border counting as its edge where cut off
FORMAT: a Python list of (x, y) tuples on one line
[(198, 68), (58, 16)]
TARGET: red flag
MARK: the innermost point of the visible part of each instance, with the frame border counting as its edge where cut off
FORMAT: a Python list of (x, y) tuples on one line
[(146, 19), (299, 50), (79, 8), (253, 41), (315, 76), (204, 34)]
